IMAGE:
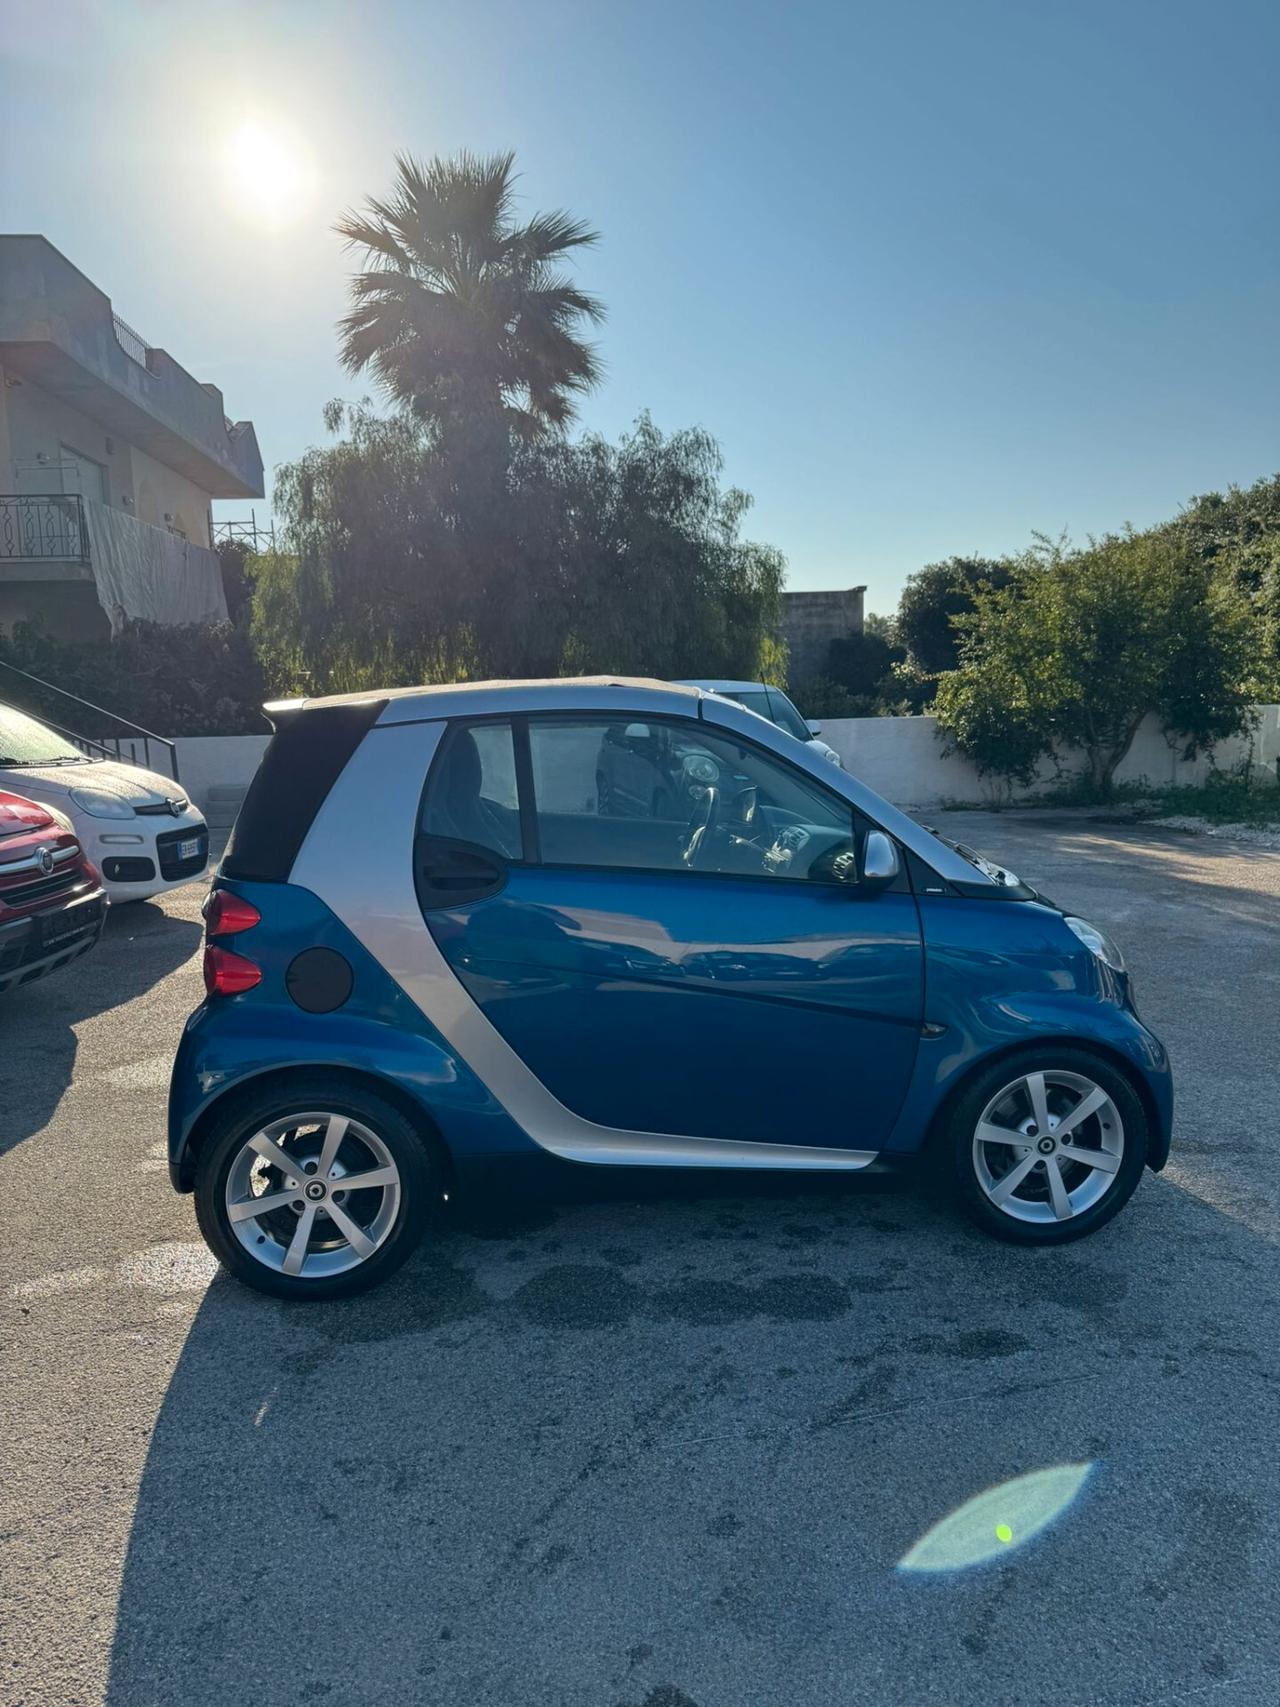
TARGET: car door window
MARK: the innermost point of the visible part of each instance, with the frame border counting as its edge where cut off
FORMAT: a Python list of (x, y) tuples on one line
[(471, 793), (660, 795)]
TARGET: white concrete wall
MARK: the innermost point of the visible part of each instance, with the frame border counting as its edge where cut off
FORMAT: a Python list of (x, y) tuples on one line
[(900, 757), (218, 761), (903, 758), (159, 491)]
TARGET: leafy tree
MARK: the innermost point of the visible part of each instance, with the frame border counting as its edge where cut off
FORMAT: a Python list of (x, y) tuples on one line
[(462, 315), (237, 576), (587, 556), (1240, 527), (931, 601), (862, 663), (885, 627), (1239, 532), (644, 547), (1080, 645)]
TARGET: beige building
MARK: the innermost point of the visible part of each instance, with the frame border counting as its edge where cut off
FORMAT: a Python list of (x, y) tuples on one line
[(110, 456)]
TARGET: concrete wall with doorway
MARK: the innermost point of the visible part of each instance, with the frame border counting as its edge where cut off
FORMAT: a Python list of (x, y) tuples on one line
[(40, 430), (38, 426)]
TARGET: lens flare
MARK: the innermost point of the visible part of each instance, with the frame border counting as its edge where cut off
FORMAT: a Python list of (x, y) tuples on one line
[(270, 174), (1005, 1516)]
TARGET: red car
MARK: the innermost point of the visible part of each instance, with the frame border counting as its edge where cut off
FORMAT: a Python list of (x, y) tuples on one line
[(52, 904)]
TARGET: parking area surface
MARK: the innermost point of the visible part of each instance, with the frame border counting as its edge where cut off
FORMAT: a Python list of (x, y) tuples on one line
[(653, 1453)]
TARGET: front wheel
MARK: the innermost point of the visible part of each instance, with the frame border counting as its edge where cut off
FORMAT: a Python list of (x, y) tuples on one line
[(1048, 1147), (315, 1192)]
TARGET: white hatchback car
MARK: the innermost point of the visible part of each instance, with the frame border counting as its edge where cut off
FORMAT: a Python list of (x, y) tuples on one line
[(137, 827)]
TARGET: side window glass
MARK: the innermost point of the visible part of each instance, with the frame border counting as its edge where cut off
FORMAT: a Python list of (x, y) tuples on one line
[(666, 796), (471, 792)]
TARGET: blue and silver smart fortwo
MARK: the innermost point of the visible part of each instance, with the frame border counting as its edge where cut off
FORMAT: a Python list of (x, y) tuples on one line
[(509, 929)]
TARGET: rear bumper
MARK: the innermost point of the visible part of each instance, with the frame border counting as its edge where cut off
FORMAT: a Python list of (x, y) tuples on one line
[(41, 942)]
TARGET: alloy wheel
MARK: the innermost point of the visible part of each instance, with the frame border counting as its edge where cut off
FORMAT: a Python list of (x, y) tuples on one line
[(312, 1195), (1048, 1146)]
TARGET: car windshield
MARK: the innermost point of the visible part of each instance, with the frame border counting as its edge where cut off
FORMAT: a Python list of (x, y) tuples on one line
[(755, 699), (23, 741), (787, 717), (775, 706)]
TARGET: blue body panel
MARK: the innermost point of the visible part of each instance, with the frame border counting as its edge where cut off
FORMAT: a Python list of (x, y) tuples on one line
[(1001, 974), (762, 1011), (737, 1005), (229, 1041)]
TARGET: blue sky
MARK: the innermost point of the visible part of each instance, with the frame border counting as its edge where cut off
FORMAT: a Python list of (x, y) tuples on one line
[(934, 274)]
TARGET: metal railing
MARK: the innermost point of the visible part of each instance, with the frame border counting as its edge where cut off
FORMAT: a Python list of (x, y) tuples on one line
[(124, 747), (131, 342), (256, 536), (45, 527)]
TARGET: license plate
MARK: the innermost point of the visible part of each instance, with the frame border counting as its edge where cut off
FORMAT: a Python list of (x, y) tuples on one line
[(63, 925), (190, 848)]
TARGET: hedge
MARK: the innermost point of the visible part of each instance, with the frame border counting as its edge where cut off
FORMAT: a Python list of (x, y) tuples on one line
[(173, 681)]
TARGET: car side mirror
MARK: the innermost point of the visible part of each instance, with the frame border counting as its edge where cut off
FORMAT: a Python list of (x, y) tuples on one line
[(880, 862), (812, 727)]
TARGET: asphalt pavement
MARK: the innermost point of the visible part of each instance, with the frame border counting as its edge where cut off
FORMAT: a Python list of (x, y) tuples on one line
[(655, 1451)]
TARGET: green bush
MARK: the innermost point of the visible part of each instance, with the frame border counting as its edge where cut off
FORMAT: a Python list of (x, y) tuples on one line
[(172, 681), (1081, 644)]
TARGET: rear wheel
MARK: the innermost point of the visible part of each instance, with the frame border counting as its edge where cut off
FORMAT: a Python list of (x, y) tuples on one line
[(317, 1191), (1048, 1147)]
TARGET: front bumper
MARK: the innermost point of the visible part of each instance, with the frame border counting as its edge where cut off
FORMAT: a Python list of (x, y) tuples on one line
[(144, 856), (38, 943)]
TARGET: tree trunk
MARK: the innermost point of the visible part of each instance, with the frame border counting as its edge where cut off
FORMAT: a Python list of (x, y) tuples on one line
[(1105, 760)]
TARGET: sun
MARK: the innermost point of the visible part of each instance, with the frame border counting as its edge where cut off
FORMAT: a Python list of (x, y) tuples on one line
[(270, 177)]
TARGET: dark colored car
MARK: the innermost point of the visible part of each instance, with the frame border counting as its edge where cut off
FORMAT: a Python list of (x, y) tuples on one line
[(52, 905)]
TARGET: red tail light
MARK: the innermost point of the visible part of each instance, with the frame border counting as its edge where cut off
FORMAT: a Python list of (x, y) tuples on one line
[(225, 914), (228, 974)]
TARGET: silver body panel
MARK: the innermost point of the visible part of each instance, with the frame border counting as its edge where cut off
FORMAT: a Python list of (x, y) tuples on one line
[(374, 896), (623, 696)]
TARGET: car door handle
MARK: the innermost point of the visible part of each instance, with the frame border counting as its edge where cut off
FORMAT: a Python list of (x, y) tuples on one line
[(450, 872)]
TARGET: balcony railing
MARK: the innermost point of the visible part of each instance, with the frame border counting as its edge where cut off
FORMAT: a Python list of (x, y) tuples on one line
[(129, 341), (42, 529)]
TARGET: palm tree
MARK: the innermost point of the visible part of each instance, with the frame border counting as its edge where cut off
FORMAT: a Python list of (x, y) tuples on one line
[(461, 312)]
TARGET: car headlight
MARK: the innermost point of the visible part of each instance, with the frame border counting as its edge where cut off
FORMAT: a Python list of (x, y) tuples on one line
[(1096, 941), (99, 804)]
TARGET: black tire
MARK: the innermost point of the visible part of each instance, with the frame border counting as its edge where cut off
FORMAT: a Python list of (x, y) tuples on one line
[(420, 1182), (959, 1146)]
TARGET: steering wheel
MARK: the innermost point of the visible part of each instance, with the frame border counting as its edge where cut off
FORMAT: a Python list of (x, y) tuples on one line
[(702, 824)]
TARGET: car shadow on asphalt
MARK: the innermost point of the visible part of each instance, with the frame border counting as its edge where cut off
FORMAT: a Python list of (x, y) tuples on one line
[(141, 945), (667, 1454)]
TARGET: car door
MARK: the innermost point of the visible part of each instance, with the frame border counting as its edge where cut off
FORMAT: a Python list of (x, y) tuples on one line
[(718, 973)]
